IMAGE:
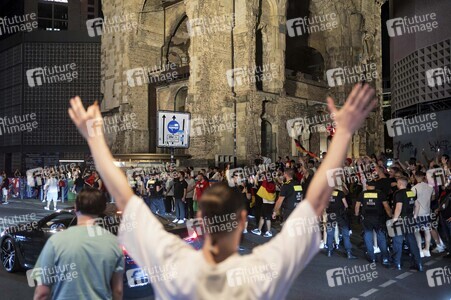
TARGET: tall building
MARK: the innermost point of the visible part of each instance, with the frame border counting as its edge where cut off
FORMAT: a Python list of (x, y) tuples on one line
[(420, 56), (266, 62), (46, 57)]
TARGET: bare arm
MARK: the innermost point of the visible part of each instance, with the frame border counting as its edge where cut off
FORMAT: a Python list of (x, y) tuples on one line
[(277, 206), (114, 179), (357, 208), (387, 208), (348, 119), (416, 210), (345, 203), (398, 209), (42, 292), (117, 285)]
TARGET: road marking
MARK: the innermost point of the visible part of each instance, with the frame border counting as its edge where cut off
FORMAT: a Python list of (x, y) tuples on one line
[(430, 262), (404, 275), (367, 293), (354, 299), (390, 282)]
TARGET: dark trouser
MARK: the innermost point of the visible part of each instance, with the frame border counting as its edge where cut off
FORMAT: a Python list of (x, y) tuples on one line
[(344, 228), (258, 208), (368, 228), (168, 204), (413, 247), (179, 209), (447, 229), (189, 209), (156, 205)]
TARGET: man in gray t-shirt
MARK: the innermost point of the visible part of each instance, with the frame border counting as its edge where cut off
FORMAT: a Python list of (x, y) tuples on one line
[(82, 262)]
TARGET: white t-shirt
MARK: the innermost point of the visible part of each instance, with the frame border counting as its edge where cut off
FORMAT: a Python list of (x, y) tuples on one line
[(423, 192), (180, 272), (52, 185)]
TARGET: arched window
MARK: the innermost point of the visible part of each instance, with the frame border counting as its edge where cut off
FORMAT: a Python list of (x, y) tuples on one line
[(180, 99), (177, 49), (299, 56)]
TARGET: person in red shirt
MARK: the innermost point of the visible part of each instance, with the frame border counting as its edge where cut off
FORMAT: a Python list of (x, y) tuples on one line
[(201, 185)]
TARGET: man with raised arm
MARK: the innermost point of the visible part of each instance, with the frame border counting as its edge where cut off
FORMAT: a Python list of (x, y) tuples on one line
[(218, 271)]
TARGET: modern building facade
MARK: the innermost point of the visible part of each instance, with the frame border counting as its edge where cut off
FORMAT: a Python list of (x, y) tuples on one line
[(420, 55), (40, 70)]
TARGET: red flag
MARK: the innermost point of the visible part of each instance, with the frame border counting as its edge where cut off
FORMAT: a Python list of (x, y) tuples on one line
[(303, 150)]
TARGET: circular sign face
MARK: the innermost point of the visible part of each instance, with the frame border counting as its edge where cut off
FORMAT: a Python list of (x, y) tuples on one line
[(173, 126)]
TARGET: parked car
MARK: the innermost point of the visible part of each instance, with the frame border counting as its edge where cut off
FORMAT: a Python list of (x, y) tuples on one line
[(22, 243)]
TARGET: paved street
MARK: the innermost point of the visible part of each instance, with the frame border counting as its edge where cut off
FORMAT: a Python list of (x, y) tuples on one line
[(311, 284)]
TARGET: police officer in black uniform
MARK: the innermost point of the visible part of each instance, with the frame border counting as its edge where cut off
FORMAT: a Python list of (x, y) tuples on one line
[(336, 216), (375, 209), (291, 194), (403, 225)]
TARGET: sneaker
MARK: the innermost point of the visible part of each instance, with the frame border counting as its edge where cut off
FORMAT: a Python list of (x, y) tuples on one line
[(5, 202), (376, 249), (46, 208), (245, 230), (426, 253), (267, 234), (256, 231), (180, 222), (43, 201), (175, 221), (439, 249), (421, 253), (321, 245), (54, 209)]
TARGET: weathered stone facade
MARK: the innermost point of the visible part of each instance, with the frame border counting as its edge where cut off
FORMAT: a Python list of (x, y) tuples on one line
[(298, 87)]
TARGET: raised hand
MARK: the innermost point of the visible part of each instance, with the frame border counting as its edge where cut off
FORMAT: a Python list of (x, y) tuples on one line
[(351, 116), (88, 122)]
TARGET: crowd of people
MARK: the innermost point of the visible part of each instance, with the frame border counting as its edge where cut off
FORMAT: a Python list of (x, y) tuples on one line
[(370, 191), (48, 184)]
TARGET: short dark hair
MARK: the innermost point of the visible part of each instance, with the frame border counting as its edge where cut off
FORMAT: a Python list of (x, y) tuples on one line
[(403, 179), (90, 201), (289, 172), (182, 173), (221, 200), (419, 174)]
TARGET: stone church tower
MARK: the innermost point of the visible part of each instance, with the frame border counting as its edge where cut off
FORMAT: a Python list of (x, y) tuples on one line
[(212, 44)]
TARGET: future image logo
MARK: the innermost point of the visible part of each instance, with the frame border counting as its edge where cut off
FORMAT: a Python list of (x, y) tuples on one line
[(115, 24), (349, 275), (408, 25), (251, 274), (147, 75), (210, 25), (309, 25), (438, 76), (419, 123), (251, 75), (439, 276), (53, 74), (351, 75), (436, 177)]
